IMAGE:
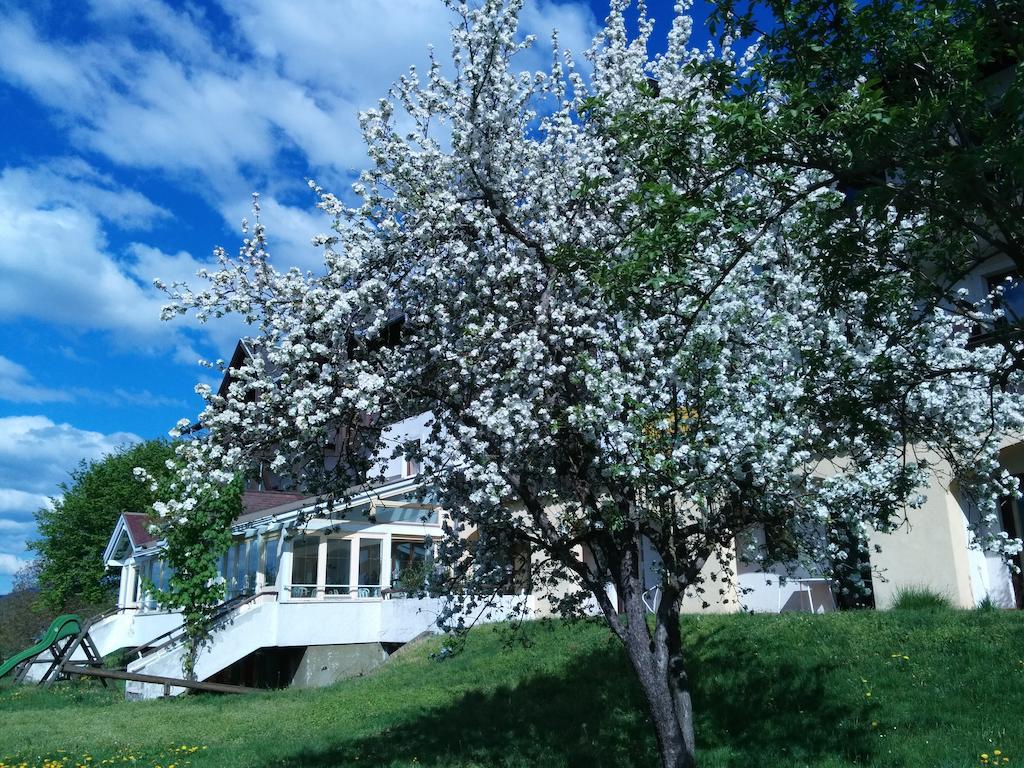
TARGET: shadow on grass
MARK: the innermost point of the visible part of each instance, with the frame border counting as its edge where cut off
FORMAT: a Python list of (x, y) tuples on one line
[(749, 705), (593, 715)]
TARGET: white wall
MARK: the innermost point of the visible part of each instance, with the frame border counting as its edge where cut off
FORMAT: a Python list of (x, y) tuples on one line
[(397, 435), (340, 622)]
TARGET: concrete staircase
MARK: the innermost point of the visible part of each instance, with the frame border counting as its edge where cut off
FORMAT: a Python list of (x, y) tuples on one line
[(334, 634), (243, 629)]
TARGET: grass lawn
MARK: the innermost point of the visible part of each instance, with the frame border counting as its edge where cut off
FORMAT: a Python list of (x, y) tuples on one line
[(903, 688)]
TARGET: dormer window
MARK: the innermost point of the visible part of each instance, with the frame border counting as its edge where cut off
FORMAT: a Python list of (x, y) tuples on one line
[(411, 459)]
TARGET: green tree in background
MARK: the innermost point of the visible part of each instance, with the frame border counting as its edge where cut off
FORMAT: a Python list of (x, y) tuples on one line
[(913, 108), (75, 530)]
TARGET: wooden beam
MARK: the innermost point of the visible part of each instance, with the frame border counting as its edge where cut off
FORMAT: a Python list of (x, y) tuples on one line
[(174, 682)]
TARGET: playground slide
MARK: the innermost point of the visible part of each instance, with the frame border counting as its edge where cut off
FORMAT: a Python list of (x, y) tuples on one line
[(62, 627)]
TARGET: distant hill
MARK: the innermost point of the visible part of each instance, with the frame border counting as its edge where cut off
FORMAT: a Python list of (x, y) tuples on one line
[(19, 621)]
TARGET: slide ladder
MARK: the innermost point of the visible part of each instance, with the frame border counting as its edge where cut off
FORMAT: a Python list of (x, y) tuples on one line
[(68, 635), (65, 636)]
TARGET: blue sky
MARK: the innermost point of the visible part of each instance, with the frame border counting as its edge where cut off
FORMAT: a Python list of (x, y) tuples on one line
[(134, 133)]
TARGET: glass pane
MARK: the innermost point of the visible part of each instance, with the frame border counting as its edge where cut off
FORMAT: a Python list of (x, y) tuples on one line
[(409, 558), (238, 572), (252, 564), (369, 567), (410, 514), (339, 560), (159, 578), (147, 580), (270, 560), (229, 572), (305, 550)]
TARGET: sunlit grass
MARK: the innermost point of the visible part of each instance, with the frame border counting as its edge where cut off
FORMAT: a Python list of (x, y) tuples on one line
[(903, 688)]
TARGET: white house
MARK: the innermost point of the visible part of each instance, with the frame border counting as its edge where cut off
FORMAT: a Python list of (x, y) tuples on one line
[(313, 592)]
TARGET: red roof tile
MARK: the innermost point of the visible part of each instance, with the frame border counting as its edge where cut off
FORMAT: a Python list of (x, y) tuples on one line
[(138, 524), (257, 501)]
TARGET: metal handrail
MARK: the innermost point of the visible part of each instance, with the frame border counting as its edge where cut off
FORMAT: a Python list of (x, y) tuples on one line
[(106, 614), (172, 635)]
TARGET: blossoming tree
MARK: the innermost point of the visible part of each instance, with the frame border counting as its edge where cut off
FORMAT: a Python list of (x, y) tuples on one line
[(623, 340)]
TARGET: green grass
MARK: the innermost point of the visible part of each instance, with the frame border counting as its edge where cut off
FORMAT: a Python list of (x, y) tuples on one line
[(788, 690), (920, 599)]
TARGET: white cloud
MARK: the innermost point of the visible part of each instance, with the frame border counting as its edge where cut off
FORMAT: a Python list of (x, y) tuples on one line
[(17, 526), (148, 263), (21, 502), (17, 386), (58, 267), (71, 182), (10, 565), (36, 454), (71, 354), (290, 229), (120, 396), (296, 80), (223, 110)]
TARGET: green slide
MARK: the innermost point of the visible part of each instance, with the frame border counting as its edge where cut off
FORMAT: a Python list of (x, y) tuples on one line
[(61, 628)]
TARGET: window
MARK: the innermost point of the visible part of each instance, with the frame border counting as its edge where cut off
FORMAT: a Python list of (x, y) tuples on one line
[(409, 562), (411, 459), (271, 560), (305, 557), (397, 512), (146, 581), (369, 567), (166, 572), (252, 564), (780, 543), (230, 560), (1012, 513), (339, 560), (156, 574), (519, 577), (235, 565), (136, 588)]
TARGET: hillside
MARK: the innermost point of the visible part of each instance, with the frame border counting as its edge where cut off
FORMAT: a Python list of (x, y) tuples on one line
[(904, 688)]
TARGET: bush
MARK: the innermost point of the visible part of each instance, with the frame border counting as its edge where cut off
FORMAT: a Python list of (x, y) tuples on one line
[(920, 598)]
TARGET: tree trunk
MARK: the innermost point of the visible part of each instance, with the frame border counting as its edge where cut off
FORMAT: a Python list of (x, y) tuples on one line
[(657, 659)]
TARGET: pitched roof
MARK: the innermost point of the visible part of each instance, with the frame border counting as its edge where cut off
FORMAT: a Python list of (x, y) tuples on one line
[(137, 525), (256, 503), (260, 504)]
